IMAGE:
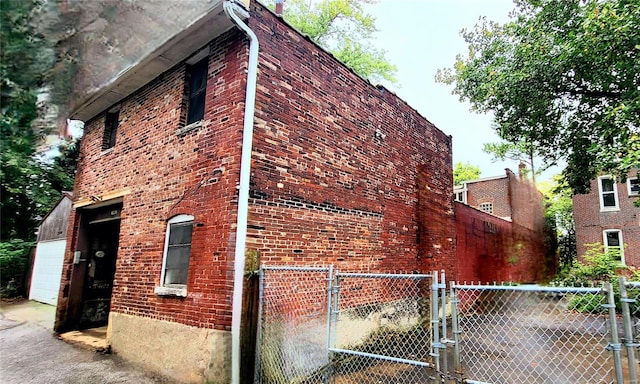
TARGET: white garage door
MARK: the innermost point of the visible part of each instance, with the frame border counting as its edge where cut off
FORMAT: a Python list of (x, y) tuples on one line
[(47, 270)]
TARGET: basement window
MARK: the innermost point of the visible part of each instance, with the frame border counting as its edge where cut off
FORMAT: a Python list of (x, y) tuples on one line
[(486, 207), (177, 250)]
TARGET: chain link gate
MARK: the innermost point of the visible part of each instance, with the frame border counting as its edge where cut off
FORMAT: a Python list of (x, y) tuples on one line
[(534, 334), (381, 328)]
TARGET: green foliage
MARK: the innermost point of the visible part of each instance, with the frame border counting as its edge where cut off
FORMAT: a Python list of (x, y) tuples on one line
[(28, 186), (522, 152), (465, 172), (14, 258), (562, 76), (586, 303), (559, 215), (599, 266), (343, 28)]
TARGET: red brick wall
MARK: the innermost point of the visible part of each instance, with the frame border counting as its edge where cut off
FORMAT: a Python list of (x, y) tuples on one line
[(527, 203), (490, 249), (591, 222), (168, 173), (495, 191), (325, 189)]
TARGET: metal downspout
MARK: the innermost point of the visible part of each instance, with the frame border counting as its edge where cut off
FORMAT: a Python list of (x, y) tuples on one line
[(243, 194)]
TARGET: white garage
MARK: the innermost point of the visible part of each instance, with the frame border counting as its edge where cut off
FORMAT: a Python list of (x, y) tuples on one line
[(47, 270)]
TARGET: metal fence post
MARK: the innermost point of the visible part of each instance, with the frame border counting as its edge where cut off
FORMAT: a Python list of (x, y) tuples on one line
[(628, 332), (256, 375), (443, 337), (614, 345), (329, 370), (435, 323), (455, 329)]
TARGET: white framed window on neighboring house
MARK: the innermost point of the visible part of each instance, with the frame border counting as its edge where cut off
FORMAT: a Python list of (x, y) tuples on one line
[(486, 207), (633, 186), (175, 262), (612, 240), (460, 195), (608, 192)]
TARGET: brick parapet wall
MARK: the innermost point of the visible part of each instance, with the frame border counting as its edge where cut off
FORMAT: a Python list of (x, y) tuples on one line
[(490, 249)]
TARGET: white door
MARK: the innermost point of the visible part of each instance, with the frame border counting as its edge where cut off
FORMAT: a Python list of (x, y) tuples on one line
[(47, 271)]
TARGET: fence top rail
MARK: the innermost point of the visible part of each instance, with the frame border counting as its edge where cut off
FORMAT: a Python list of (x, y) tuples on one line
[(632, 284), (385, 275), (529, 288), (292, 268)]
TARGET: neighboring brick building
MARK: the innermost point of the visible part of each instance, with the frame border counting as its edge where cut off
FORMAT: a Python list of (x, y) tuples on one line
[(342, 173), (501, 232), (607, 215)]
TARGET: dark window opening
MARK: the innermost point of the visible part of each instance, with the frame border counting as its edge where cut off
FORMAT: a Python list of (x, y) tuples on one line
[(110, 129), (196, 91)]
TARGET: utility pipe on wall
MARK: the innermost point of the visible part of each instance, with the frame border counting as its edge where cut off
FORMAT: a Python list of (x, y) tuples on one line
[(243, 194)]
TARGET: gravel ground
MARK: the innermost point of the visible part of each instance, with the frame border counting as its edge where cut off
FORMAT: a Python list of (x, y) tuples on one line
[(30, 353)]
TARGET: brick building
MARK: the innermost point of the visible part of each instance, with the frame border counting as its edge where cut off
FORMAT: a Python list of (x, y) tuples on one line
[(501, 232), (341, 172), (607, 215)]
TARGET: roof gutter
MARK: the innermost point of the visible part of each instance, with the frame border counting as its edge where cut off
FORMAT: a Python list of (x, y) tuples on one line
[(230, 8)]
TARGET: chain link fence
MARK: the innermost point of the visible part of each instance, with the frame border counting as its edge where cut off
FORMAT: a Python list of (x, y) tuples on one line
[(521, 334), (292, 327), (317, 325), (381, 329)]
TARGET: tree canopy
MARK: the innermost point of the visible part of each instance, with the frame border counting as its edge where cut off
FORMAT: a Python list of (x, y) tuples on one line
[(29, 186), (465, 172), (343, 28), (521, 152), (562, 76)]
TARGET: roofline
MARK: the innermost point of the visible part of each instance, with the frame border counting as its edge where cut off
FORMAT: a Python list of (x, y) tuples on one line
[(176, 49)]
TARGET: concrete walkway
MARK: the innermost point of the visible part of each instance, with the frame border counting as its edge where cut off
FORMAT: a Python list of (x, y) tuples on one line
[(30, 353)]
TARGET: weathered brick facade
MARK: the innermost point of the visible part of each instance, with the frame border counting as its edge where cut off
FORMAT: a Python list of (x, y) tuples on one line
[(490, 249), (343, 173), (592, 221), (512, 243)]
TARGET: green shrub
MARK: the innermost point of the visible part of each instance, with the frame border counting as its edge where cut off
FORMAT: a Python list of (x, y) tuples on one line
[(14, 258), (598, 266)]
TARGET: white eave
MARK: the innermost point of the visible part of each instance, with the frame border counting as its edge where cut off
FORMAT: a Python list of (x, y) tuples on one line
[(173, 51)]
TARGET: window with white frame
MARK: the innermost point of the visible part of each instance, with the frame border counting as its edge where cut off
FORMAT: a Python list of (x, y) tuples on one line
[(486, 207), (612, 239), (460, 195), (633, 185), (608, 191), (177, 249)]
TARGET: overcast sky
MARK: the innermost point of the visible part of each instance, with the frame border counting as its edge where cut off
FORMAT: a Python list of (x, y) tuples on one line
[(421, 36)]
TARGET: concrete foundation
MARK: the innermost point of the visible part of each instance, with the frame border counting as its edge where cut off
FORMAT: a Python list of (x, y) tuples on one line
[(183, 353)]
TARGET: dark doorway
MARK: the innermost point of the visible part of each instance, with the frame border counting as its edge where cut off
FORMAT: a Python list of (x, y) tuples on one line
[(103, 231)]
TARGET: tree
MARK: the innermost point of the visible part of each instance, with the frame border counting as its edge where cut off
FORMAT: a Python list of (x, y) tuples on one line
[(465, 172), (343, 28), (521, 152), (562, 76)]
